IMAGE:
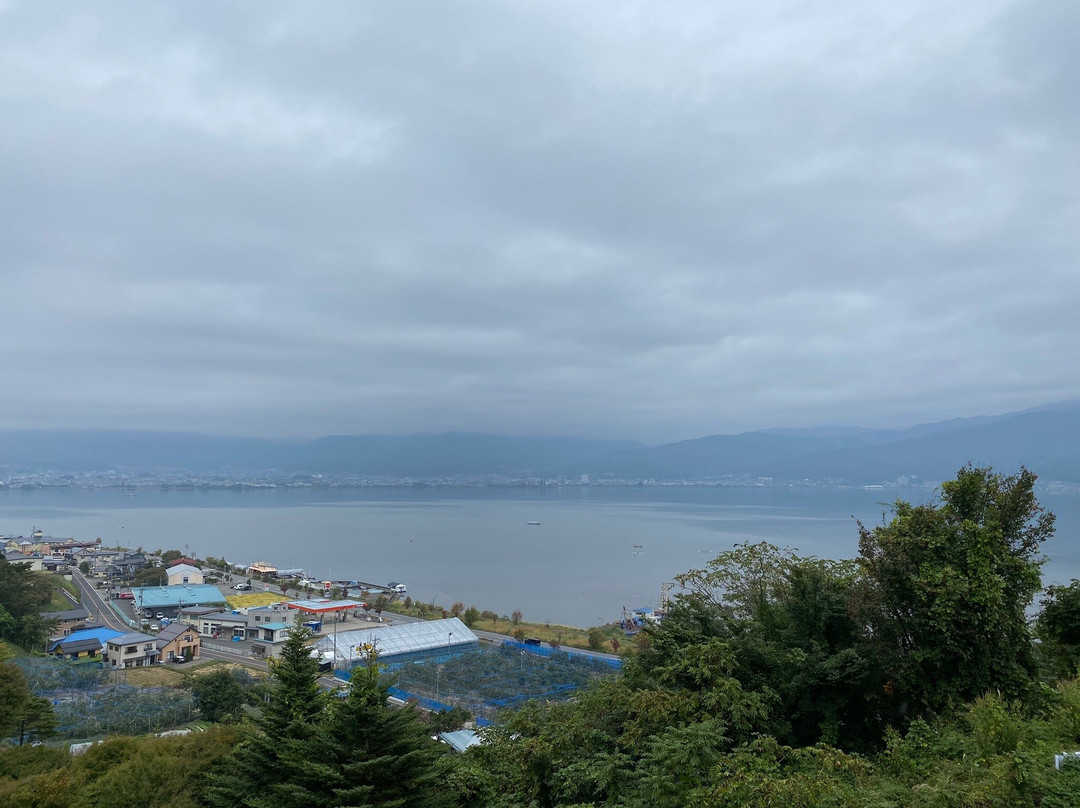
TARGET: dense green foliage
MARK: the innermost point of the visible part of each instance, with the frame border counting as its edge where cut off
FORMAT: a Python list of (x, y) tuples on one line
[(23, 594), (948, 586), (119, 773), (218, 695), (1059, 629)]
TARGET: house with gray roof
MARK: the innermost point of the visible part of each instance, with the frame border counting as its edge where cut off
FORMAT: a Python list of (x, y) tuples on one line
[(68, 620), (133, 650), (178, 641)]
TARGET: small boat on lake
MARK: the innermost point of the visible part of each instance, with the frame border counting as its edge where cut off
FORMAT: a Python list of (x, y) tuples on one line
[(532, 523)]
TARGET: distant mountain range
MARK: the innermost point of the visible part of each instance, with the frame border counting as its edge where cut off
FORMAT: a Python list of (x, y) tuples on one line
[(450, 454), (1045, 439)]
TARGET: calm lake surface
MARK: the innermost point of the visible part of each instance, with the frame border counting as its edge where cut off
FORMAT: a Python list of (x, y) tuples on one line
[(580, 566)]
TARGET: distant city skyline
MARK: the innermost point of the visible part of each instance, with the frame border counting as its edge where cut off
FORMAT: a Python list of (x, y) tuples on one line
[(634, 222)]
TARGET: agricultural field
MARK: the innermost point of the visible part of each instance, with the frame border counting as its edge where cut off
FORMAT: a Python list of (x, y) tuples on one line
[(247, 600), (489, 680)]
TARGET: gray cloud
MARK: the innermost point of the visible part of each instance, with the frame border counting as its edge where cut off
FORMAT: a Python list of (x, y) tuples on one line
[(620, 219)]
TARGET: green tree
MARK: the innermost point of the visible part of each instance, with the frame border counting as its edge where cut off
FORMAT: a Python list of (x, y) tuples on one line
[(151, 576), (380, 756), (170, 555), (218, 695), (515, 616), (23, 594), (14, 696), (278, 765), (457, 608), (84, 567), (471, 616), (1058, 627), (947, 589), (36, 720), (596, 638)]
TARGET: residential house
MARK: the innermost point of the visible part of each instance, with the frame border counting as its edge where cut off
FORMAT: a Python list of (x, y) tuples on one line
[(68, 621), (55, 565), (134, 650), (184, 574), (125, 566), (176, 641), (86, 644)]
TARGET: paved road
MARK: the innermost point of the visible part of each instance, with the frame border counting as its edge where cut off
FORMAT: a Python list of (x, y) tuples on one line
[(93, 599)]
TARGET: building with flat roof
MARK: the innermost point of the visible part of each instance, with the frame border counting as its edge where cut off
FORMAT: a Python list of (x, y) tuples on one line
[(224, 625), (177, 597)]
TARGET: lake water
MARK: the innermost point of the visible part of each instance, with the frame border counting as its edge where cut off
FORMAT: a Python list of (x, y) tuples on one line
[(580, 566)]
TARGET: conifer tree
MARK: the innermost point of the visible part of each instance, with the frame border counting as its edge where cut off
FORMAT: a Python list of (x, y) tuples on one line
[(279, 765), (383, 756)]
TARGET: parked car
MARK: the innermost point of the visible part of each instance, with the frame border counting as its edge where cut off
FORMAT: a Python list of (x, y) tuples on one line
[(127, 596), (159, 615), (242, 587), (155, 627)]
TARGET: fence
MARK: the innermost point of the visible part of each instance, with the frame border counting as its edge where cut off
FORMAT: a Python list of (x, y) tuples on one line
[(540, 650), (232, 648)]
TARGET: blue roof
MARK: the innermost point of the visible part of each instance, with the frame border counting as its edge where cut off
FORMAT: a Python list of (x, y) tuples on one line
[(150, 597), (274, 626), (461, 740), (102, 635)]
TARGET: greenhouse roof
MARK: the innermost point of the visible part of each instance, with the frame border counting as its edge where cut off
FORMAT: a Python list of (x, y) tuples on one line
[(149, 597), (434, 635)]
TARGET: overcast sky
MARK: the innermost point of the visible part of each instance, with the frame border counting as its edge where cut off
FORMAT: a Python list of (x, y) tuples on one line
[(615, 219)]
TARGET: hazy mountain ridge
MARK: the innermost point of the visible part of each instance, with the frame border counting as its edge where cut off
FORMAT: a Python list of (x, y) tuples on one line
[(433, 455), (1046, 439)]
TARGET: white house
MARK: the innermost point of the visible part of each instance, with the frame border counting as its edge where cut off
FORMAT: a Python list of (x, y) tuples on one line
[(184, 574)]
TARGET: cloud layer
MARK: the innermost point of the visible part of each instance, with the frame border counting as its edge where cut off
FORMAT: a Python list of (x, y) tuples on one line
[(608, 218)]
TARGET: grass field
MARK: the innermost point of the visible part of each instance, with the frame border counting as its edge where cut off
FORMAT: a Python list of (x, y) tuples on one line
[(61, 602), (156, 676), (166, 675), (253, 599)]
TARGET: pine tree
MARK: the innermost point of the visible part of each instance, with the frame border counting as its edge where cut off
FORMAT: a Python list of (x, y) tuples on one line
[(383, 756), (280, 765)]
